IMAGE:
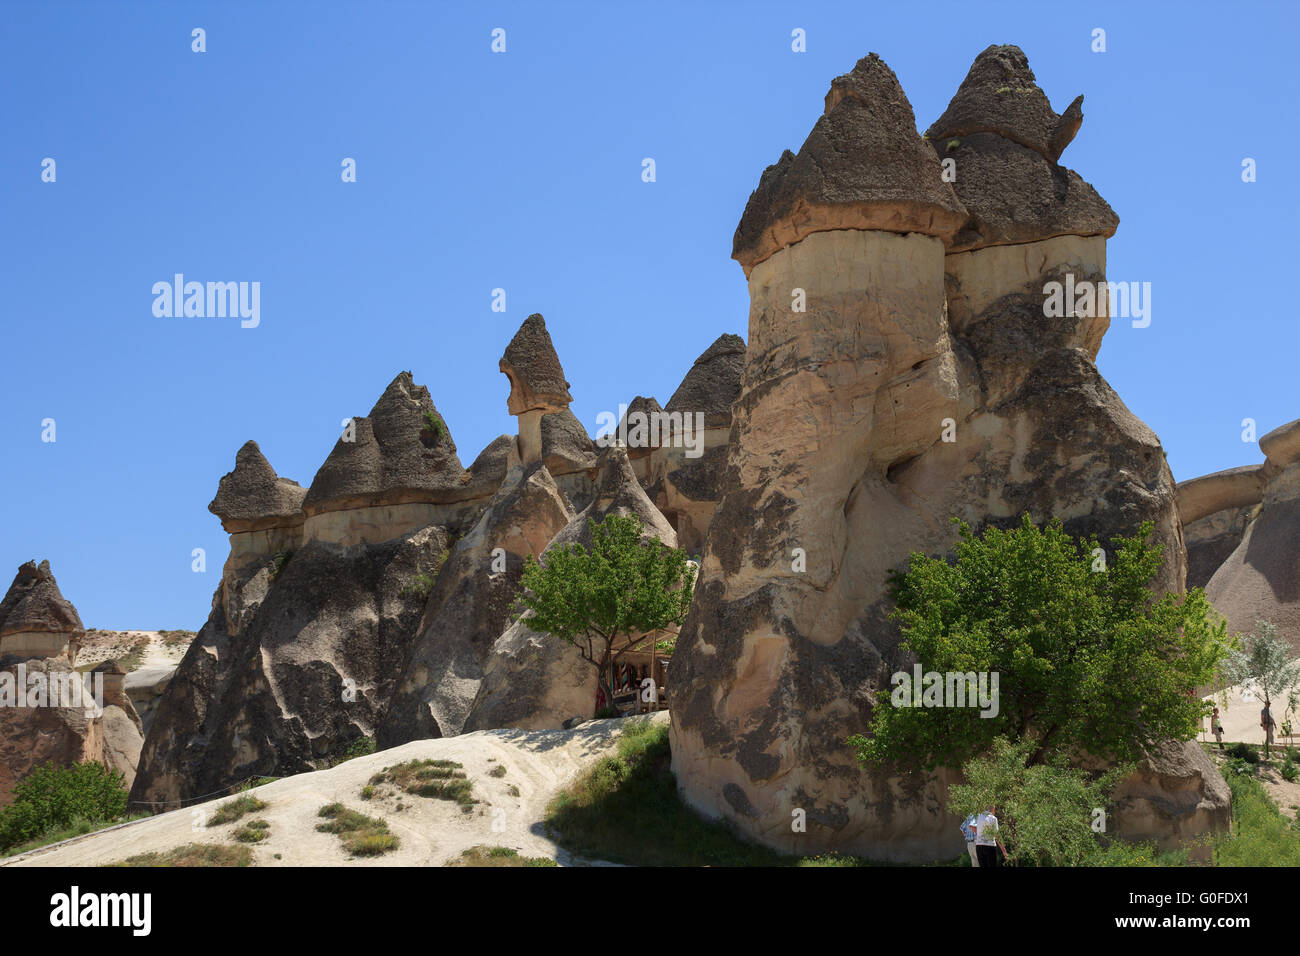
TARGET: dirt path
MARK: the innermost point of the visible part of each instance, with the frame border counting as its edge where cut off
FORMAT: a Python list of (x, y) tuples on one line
[(433, 832)]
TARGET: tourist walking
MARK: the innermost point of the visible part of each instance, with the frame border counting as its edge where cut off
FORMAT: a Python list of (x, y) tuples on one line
[(1216, 727)]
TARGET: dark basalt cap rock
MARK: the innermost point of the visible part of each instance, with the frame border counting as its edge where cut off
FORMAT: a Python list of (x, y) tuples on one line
[(566, 446), (863, 166), (34, 603), (1000, 95), (254, 495), (1014, 195), (647, 407), (713, 382), (402, 452), (536, 377)]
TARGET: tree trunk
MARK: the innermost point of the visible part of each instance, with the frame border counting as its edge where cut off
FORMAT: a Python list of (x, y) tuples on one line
[(602, 681)]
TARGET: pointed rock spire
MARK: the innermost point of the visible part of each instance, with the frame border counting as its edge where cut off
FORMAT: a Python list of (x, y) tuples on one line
[(1000, 95), (536, 376), (1004, 139), (253, 496), (713, 382), (401, 452), (34, 603), (863, 166)]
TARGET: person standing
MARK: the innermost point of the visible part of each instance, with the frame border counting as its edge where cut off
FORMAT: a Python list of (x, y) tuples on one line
[(1216, 727), (987, 841), (968, 833), (1266, 721)]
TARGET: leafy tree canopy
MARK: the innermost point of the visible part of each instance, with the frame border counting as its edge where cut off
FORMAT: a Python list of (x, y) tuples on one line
[(1088, 659)]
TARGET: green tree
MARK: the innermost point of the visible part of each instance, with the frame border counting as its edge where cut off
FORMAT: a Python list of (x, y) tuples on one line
[(1265, 664), (607, 600), (54, 797), (1047, 812), (1088, 659)]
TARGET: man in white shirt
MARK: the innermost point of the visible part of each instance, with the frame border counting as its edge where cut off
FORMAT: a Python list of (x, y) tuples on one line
[(987, 841)]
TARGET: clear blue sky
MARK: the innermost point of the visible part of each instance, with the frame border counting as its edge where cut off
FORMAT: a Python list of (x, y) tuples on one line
[(523, 171)]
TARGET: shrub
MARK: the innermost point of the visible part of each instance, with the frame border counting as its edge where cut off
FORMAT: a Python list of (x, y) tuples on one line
[(1290, 772), (53, 797), (443, 779), (1045, 811), (234, 809), (361, 835), (419, 587)]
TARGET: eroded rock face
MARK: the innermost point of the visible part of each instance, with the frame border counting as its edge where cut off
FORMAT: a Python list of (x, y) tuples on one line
[(1260, 579), (316, 656), (470, 606), (48, 711), (534, 681), (1215, 510), (684, 479), (920, 384)]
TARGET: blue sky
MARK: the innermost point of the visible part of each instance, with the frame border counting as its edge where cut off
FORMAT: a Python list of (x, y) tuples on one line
[(522, 171)]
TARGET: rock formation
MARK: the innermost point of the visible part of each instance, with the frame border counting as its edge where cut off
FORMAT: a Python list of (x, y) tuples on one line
[(537, 384), (315, 610), (684, 473), (48, 711), (1260, 579), (1214, 510), (926, 379), (534, 681), (470, 605), (36, 620)]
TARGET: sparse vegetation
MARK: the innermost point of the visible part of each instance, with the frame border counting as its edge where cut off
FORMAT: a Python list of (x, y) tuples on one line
[(497, 771), (232, 810), (440, 779), (361, 747), (436, 427), (278, 562), (254, 832), (419, 587), (194, 854), (361, 835), (499, 856)]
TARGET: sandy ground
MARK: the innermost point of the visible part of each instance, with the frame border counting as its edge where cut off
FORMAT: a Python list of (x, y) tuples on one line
[(433, 832), (157, 649)]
